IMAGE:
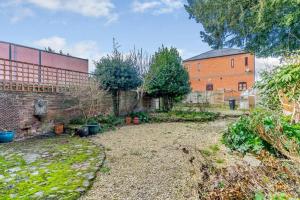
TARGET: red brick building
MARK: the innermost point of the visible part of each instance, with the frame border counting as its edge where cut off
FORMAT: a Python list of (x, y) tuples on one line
[(223, 69)]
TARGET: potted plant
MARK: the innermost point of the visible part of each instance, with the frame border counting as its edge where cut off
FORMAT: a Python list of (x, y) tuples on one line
[(59, 125), (93, 126), (82, 132), (6, 136), (136, 120), (128, 120)]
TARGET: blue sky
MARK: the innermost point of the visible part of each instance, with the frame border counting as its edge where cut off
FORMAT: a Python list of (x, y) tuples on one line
[(85, 28)]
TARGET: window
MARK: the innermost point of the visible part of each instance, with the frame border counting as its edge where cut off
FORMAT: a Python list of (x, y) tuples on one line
[(246, 61), (232, 63), (209, 87), (242, 86)]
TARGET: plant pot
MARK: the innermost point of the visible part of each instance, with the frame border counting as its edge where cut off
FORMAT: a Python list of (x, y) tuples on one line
[(136, 120), (128, 120), (93, 129), (59, 129), (83, 132), (6, 136)]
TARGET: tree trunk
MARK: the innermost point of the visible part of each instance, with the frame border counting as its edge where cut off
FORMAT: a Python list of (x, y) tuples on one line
[(167, 104), (115, 98)]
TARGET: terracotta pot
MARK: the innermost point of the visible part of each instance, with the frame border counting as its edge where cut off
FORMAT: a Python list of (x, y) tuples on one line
[(128, 120), (136, 120), (58, 129)]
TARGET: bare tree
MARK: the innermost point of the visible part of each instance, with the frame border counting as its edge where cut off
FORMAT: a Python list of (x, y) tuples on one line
[(142, 61), (88, 97)]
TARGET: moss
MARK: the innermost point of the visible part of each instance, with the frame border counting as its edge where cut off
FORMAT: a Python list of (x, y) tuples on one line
[(61, 167), (220, 161), (214, 148)]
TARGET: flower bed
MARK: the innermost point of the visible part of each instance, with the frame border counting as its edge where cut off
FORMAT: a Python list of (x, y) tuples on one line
[(183, 116)]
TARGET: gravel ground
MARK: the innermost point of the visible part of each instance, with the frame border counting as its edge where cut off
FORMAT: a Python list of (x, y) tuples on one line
[(153, 161)]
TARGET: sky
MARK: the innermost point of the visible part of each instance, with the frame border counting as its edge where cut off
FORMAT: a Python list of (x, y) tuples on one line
[(86, 28)]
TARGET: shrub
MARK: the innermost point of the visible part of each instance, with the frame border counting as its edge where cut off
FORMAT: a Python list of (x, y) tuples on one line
[(111, 120), (242, 138), (183, 116), (78, 120), (92, 121), (264, 130)]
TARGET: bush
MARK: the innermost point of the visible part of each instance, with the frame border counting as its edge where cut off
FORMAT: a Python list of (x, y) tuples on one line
[(77, 121), (111, 120), (92, 121), (183, 116), (242, 138), (264, 129)]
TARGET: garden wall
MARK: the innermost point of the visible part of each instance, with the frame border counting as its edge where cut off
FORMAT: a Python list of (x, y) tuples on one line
[(17, 110)]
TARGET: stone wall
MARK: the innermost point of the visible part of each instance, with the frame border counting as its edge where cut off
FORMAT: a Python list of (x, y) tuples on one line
[(17, 110)]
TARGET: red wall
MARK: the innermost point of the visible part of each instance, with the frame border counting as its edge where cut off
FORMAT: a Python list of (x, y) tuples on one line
[(31, 55), (4, 50), (64, 62)]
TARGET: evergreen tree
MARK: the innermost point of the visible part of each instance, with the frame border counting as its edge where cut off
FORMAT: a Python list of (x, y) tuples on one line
[(167, 77), (264, 27), (117, 73)]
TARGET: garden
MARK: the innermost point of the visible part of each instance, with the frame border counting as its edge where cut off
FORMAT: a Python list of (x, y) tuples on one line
[(174, 152)]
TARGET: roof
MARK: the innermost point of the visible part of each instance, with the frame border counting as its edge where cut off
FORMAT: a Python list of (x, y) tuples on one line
[(217, 53)]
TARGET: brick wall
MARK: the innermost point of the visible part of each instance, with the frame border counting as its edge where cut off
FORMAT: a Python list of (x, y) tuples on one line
[(221, 73), (17, 110)]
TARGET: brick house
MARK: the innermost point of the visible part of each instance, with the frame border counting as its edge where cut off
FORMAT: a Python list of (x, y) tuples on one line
[(230, 70)]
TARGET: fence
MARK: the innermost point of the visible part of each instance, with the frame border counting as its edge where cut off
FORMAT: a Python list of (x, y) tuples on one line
[(217, 97), (15, 75)]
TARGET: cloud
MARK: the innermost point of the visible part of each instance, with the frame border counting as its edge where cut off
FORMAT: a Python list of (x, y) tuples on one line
[(89, 8), (157, 7), (55, 42), (21, 14), (142, 7), (82, 49)]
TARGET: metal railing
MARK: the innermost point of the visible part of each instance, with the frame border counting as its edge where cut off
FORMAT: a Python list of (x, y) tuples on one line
[(29, 73)]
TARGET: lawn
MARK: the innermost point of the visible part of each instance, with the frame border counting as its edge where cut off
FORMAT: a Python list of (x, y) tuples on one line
[(52, 167)]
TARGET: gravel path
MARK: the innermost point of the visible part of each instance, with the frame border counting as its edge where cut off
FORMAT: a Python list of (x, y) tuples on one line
[(151, 161)]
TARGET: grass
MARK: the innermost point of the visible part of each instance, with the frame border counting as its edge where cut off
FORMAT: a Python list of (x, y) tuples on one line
[(48, 168)]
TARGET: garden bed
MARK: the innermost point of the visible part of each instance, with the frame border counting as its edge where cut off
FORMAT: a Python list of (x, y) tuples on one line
[(49, 167), (183, 116)]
